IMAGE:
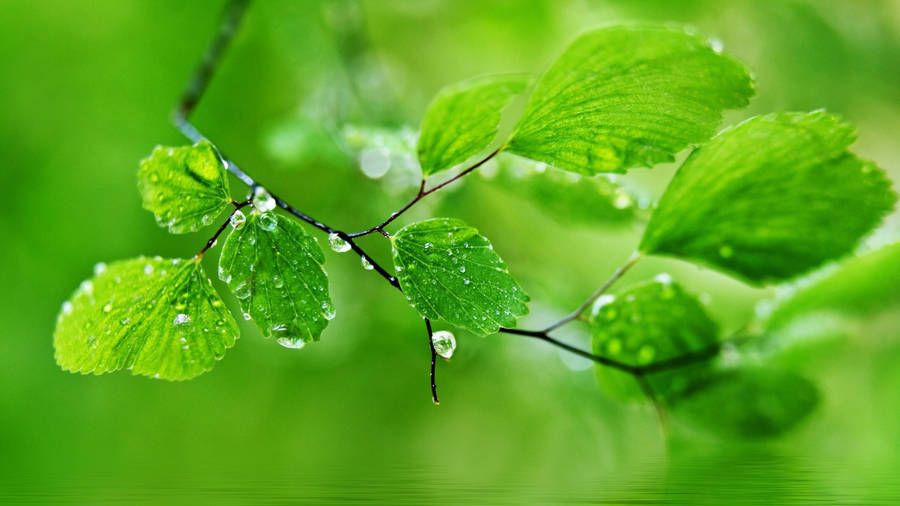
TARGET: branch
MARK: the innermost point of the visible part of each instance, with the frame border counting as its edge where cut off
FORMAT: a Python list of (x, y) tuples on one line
[(434, 395)]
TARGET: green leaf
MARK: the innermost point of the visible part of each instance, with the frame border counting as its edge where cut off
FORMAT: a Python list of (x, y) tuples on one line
[(627, 97), (185, 187), (564, 196), (770, 199), (863, 286), (749, 402), (274, 268), (156, 317), (463, 120), (451, 273), (650, 323)]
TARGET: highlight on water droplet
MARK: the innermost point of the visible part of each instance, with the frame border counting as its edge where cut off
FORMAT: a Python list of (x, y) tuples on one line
[(444, 343), (337, 244), (237, 219), (366, 264), (267, 221), (181, 319), (262, 201), (289, 342), (663, 278)]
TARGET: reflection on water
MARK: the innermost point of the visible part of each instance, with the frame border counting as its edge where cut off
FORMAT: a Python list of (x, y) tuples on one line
[(733, 479)]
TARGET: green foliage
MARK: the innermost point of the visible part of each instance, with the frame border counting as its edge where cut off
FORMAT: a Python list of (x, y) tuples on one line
[(449, 272), (274, 268), (771, 198), (565, 196), (185, 187), (649, 323), (750, 402), (862, 286), (625, 97), (463, 120), (156, 317)]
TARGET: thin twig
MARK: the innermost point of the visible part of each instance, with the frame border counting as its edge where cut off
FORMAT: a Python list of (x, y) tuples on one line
[(212, 240), (434, 395)]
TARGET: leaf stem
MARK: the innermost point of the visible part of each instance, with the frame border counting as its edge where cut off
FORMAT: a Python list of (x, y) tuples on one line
[(434, 395), (212, 240)]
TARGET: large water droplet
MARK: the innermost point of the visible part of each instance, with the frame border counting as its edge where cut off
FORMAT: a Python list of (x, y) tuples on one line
[(337, 244), (237, 219), (262, 201), (242, 291), (293, 343), (181, 319), (366, 264), (268, 222), (444, 343), (328, 310)]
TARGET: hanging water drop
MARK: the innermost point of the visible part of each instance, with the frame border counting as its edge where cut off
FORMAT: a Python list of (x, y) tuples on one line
[(337, 243), (262, 201), (444, 343), (292, 343), (328, 310), (237, 219), (366, 264), (268, 222)]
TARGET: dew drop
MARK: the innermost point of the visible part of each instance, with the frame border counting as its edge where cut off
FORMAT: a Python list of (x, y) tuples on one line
[(337, 244), (622, 199), (237, 219), (466, 281), (663, 278), (107, 308), (126, 321), (428, 245), (262, 201), (462, 268), (242, 291), (287, 342), (246, 316), (366, 264), (328, 310), (444, 343), (181, 319), (99, 268), (601, 302), (277, 282), (268, 222), (67, 307), (148, 269)]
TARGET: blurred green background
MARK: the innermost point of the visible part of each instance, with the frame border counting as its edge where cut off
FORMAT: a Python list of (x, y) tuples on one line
[(86, 92)]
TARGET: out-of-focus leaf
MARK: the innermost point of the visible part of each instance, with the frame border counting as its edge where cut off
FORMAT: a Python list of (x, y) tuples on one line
[(155, 317), (749, 402), (463, 120), (185, 187), (449, 272), (771, 198), (627, 97), (646, 324)]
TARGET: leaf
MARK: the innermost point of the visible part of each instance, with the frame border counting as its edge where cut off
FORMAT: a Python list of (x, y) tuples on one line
[(650, 323), (750, 402), (627, 97), (770, 199), (274, 268), (451, 273), (463, 120), (565, 196), (863, 286), (156, 317), (185, 187)]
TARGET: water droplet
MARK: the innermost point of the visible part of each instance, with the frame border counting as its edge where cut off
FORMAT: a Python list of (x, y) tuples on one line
[(602, 301), (366, 264), (126, 321), (107, 308), (337, 244), (328, 310), (715, 44), (726, 251), (427, 245), (246, 316), (277, 281), (462, 268), (278, 327), (67, 307), (242, 291), (268, 222), (444, 343), (181, 319), (237, 219), (663, 278), (262, 201), (466, 281), (99, 268), (148, 269), (288, 342), (622, 199), (206, 219), (375, 162)]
